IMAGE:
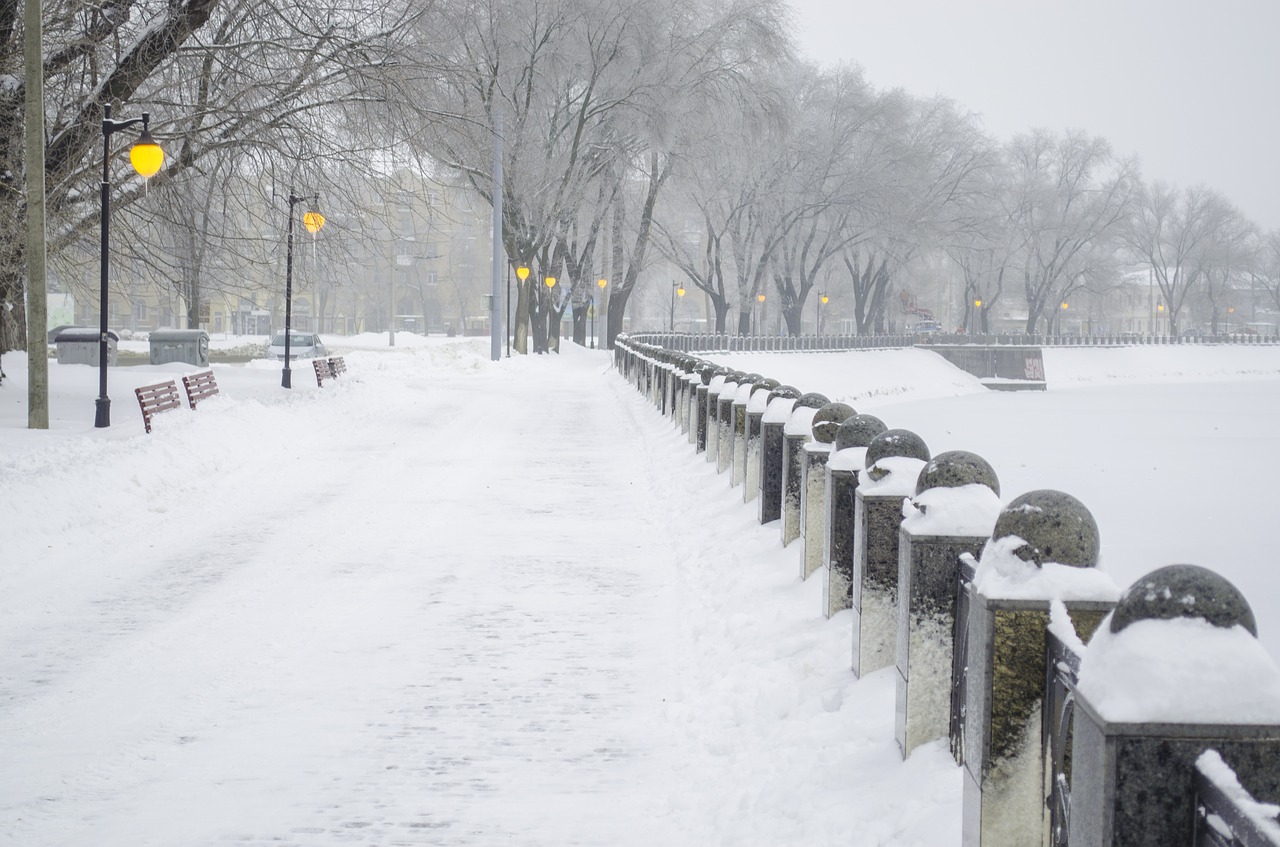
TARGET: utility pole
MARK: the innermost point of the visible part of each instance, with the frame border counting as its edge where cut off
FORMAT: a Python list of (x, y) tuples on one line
[(37, 292)]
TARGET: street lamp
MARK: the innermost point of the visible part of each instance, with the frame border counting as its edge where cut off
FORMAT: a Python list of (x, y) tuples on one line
[(759, 312), (147, 158), (822, 301), (522, 273), (676, 290), (601, 282), (313, 221)]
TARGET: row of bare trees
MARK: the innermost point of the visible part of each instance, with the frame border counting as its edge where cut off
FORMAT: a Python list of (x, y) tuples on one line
[(632, 132)]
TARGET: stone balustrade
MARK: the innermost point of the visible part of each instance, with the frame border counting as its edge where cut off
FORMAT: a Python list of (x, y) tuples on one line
[(1079, 714)]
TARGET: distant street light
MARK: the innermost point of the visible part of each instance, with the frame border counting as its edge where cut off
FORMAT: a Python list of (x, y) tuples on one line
[(822, 301), (601, 282), (147, 158), (313, 221), (522, 272), (676, 289)]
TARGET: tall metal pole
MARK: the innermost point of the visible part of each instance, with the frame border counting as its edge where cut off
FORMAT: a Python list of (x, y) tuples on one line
[(37, 296), (673, 305), (496, 318), (102, 415), (286, 380)]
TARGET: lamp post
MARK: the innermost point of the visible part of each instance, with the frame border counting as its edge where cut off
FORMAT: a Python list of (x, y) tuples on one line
[(677, 290), (550, 282), (146, 157), (759, 312), (601, 282), (522, 272), (822, 301), (312, 220)]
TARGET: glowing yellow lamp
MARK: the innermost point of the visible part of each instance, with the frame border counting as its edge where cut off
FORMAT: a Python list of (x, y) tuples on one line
[(760, 297), (602, 282), (522, 272), (313, 221), (551, 282), (680, 292), (146, 156)]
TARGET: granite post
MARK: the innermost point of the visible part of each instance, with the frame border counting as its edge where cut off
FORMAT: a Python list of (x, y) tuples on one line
[(772, 423), (892, 464), (755, 413), (1043, 549), (953, 512), (1140, 728), (843, 467), (813, 494), (796, 434)]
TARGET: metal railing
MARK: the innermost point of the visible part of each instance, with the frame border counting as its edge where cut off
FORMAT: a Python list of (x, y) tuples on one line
[(1063, 670), (728, 343), (1222, 819)]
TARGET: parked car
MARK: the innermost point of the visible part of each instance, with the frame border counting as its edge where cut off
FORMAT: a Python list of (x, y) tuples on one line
[(302, 345), (925, 328)]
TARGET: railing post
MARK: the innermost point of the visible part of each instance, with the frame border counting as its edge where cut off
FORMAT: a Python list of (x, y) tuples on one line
[(1044, 546), (843, 467), (1144, 719), (893, 462), (781, 402), (797, 433), (755, 413), (813, 494), (957, 499)]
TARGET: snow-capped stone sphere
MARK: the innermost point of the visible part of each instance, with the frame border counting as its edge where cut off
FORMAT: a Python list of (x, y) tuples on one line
[(788, 391), (859, 431), (1055, 526), (896, 442), (955, 468), (765, 384), (812, 400), (828, 419), (1184, 591)]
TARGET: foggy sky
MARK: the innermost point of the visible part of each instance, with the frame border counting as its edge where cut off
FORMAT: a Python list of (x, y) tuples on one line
[(1191, 88)]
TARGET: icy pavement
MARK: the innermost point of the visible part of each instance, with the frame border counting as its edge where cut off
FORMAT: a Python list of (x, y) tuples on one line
[(440, 603)]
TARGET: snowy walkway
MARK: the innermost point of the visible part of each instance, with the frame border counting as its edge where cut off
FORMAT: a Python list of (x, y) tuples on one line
[(439, 603)]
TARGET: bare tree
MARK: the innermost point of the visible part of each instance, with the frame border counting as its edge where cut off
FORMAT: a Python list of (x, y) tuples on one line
[(1173, 230), (1071, 197)]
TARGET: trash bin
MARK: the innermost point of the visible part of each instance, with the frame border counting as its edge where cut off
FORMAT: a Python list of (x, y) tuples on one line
[(190, 346), (78, 345)]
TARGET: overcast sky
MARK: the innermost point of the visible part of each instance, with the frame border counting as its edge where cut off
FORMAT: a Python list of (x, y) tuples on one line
[(1190, 86)]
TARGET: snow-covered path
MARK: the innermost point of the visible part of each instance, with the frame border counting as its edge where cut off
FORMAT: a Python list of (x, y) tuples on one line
[(335, 641)]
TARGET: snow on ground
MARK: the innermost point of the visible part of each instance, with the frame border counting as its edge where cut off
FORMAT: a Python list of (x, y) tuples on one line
[(444, 601)]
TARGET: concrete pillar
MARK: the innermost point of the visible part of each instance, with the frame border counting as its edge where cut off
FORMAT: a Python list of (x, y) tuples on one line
[(796, 434), (738, 414), (1043, 548), (1145, 718), (893, 462), (953, 512), (772, 423)]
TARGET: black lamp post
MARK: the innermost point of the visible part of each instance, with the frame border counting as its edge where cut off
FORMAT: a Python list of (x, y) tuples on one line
[(313, 220), (601, 283), (147, 157), (676, 290)]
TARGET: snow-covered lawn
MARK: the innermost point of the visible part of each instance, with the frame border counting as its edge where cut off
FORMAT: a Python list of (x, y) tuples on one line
[(453, 602)]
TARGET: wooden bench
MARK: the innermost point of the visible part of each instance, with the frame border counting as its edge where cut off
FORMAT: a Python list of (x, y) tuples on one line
[(328, 369), (153, 399), (323, 371), (199, 387)]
